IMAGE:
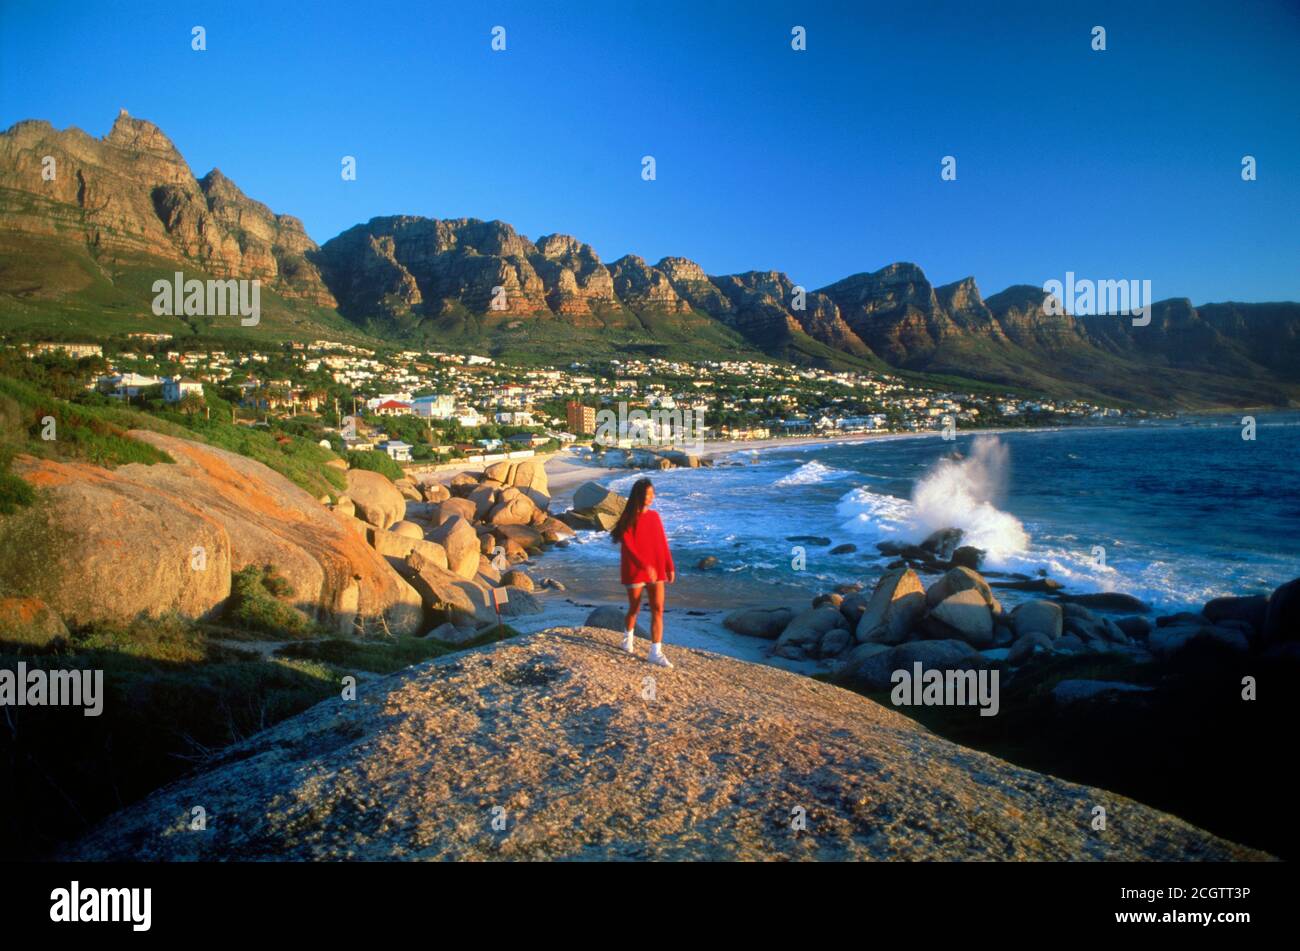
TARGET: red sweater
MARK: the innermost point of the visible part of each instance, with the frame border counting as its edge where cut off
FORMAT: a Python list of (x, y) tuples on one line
[(644, 546)]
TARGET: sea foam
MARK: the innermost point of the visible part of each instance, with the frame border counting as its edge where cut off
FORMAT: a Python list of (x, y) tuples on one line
[(954, 493)]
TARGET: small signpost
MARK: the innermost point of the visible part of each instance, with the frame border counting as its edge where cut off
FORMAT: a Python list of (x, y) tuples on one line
[(500, 596)]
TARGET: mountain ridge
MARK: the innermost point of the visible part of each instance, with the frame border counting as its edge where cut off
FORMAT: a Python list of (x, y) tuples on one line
[(119, 206)]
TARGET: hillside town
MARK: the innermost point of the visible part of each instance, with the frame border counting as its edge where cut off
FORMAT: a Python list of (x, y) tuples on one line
[(418, 405)]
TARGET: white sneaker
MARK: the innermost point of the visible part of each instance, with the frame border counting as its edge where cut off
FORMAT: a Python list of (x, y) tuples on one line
[(657, 657), (629, 642)]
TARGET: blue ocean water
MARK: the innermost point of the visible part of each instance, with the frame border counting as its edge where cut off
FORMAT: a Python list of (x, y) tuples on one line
[(1173, 512)]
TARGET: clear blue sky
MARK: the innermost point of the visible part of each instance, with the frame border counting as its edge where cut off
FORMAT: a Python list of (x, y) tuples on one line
[(1115, 164)]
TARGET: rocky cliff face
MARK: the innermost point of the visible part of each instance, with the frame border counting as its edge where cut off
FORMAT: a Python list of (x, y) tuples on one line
[(132, 194), (585, 755)]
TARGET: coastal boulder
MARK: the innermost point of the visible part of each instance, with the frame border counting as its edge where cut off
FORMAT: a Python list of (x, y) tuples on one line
[(943, 543), (518, 579), (876, 671), (1112, 602), (1042, 617), (516, 510), (441, 591), (964, 616), (1173, 639), (580, 521), (394, 546), (594, 499), (484, 497), (406, 529), (454, 636), (498, 472), (1253, 611), (805, 631), (434, 492), (1282, 619), (529, 476), (766, 622), (460, 541), (149, 540), (1028, 645), (895, 607), (957, 580), (612, 618), (463, 483), (448, 509), (419, 752), (376, 499)]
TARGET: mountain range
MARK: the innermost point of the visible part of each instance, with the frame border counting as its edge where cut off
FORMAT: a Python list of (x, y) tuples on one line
[(88, 224)]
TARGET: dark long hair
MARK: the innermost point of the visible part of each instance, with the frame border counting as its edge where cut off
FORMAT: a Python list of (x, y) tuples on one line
[(635, 503)]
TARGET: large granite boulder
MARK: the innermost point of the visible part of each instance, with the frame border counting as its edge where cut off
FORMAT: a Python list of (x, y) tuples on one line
[(484, 497), (806, 629), (612, 618), (529, 476), (444, 511), (460, 541), (1042, 617), (594, 499), (517, 509), (896, 605), (376, 499), (876, 671), (1282, 619), (957, 580), (148, 540), (766, 622), (963, 615), (1166, 642)]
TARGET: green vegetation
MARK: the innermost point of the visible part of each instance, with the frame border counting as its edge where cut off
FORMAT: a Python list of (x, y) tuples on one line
[(375, 461), (38, 400), (258, 602), (384, 657)]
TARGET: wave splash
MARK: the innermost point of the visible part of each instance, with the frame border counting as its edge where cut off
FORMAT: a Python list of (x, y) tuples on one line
[(961, 492), (811, 473), (956, 492)]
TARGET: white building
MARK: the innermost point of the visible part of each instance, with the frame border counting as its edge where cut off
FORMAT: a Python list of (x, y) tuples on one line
[(397, 450), (442, 406), (127, 385), (178, 387)]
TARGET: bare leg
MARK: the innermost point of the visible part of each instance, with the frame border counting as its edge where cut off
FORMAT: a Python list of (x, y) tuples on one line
[(655, 594), (633, 606)]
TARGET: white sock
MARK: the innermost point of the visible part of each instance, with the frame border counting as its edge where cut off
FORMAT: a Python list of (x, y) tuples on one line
[(629, 640)]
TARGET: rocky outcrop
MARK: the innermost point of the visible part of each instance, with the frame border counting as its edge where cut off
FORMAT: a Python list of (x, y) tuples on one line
[(712, 767), (638, 284), (404, 269), (131, 193), (151, 539)]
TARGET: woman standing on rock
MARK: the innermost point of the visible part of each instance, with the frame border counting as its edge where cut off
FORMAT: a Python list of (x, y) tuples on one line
[(646, 563)]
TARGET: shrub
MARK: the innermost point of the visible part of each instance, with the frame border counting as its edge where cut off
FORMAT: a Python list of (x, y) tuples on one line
[(256, 605), (375, 461)]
